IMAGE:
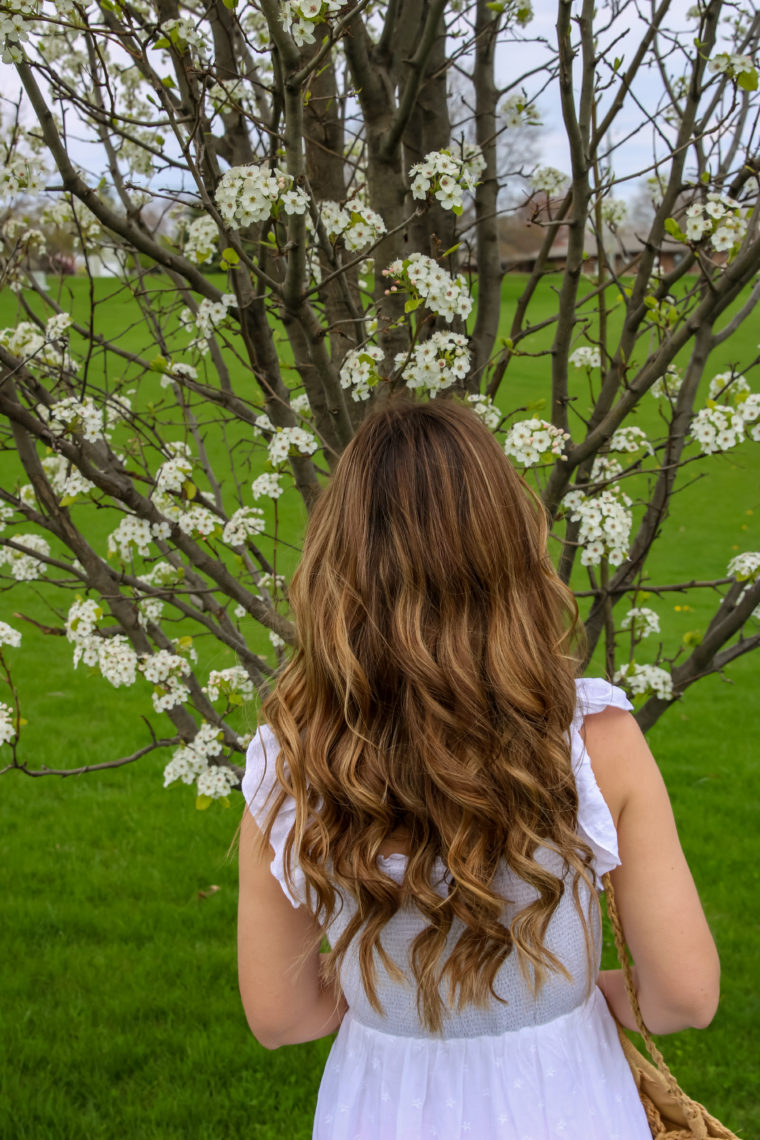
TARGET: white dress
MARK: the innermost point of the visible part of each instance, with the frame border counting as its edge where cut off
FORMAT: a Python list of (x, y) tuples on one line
[(528, 1069)]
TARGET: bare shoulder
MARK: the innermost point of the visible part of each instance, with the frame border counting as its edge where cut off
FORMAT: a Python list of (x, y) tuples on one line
[(621, 760)]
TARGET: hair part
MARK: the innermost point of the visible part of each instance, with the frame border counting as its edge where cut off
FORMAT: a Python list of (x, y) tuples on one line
[(432, 688)]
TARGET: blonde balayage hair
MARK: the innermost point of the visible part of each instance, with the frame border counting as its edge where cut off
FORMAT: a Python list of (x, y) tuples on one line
[(431, 689)]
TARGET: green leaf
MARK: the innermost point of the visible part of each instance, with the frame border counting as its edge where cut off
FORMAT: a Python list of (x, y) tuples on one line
[(747, 80), (203, 802), (190, 489), (159, 364), (449, 252), (231, 256), (673, 228), (167, 81), (617, 63), (496, 7), (162, 42), (705, 177), (67, 500), (231, 4), (412, 304), (693, 638), (457, 210), (536, 405)]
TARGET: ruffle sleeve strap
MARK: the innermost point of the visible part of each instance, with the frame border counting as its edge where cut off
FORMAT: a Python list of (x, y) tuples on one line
[(260, 787), (594, 820)]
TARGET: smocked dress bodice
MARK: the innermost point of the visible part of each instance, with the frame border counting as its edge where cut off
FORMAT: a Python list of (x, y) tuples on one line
[(524, 1068)]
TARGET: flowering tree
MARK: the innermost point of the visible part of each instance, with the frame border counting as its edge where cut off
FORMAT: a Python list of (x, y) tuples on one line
[(296, 201)]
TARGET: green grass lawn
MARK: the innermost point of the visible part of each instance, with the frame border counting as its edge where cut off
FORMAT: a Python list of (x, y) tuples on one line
[(120, 1014)]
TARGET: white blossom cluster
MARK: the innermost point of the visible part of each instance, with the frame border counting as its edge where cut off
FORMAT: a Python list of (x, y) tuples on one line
[(162, 575), (300, 17), (605, 524), (184, 34), (356, 223), (117, 660), (66, 480), (246, 522), (733, 64), (267, 486), (719, 217), (178, 372), (448, 175), (191, 762), (248, 194), (25, 567), (301, 406), (209, 316), (173, 474), (359, 370), (165, 670), (234, 681), (642, 621), (31, 345), (530, 441), (436, 363), (71, 415), (749, 410), (586, 357), (423, 278), (604, 469), (19, 173), (668, 385), (82, 620), (9, 635), (7, 715), (630, 439), (646, 680), (150, 611), (285, 440), (132, 532), (614, 212), (731, 387), (202, 240), (717, 429), (485, 409), (745, 567), (226, 94), (517, 111), (549, 180), (199, 522)]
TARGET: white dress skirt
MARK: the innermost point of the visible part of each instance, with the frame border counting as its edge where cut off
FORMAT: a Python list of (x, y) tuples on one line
[(525, 1068)]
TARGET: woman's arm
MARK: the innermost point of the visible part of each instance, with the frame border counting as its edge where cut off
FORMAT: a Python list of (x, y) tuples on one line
[(677, 972), (284, 997)]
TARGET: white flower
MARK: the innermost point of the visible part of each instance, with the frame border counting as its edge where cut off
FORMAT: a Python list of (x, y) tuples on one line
[(518, 112), (199, 522), (9, 635), (7, 724), (630, 439), (436, 363), (80, 417), (614, 211), (668, 385), (172, 475), (717, 429), (586, 357), (234, 681), (749, 410), (530, 441), (246, 522), (549, 180), (605, 524), (166, 670), (131, 532), (284, 440), (486, 410), (202, 240), (447, 174), (267, 486), (117, 660), (82, 619), (248, 194), (423, 278), (25, 567), (731, 387), (647, 680), (359, 370), (744, 567), (215, 781), (642, 620)]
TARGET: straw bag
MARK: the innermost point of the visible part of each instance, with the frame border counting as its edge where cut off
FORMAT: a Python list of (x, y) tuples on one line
[(672, 1115)]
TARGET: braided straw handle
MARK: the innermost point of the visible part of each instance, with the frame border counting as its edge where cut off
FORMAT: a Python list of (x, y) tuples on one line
[(690, 1109)]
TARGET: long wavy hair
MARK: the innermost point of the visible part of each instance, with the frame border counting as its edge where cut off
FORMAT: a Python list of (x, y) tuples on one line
[(431, 692)]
